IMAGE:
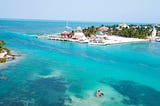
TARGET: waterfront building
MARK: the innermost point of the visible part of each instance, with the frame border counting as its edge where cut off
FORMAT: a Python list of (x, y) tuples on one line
[(78, 34)]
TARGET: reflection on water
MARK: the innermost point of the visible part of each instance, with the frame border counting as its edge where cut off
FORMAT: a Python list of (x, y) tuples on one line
[(40, 92)]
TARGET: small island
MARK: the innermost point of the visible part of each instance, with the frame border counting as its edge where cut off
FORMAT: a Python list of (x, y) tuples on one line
[(106, 34), (5, 53)]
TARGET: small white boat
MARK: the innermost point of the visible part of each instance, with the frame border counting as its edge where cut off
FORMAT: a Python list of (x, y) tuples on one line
[(67, 27)]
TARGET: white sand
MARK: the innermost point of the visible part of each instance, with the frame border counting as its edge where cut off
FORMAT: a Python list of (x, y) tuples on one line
[(118, 39), (54, 74), (8, 63), (3, 54), (92, 100)]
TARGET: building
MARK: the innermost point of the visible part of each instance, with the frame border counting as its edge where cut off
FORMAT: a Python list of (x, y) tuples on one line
[(103, 28), (78, 34), (154, 32), (123, 25), (65, 34)]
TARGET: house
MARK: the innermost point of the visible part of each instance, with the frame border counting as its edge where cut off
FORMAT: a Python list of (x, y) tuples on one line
[(65, 34), (123, 25), (103, 28), (78, 34)]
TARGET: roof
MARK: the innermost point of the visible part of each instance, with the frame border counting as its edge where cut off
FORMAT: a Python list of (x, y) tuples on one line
[(103, 28), (65, 33), (123, 25), (78, 29)]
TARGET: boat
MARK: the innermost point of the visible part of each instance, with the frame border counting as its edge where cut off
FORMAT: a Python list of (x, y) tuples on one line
[(67, 27), (157, 39)]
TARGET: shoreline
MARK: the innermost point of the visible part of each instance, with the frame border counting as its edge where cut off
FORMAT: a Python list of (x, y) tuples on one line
[(9, 57), (6, 64), (105, 35), (114, 39), (9, 62), (110, 39)]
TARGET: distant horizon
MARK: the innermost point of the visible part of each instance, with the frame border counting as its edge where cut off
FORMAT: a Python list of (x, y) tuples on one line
[(38, 19)]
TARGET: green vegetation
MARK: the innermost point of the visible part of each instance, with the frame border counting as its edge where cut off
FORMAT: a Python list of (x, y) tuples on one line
[(72, 34), (2, 43), (3, 60), (90, 31), (6, 49), (1, 49), (158, 28), (141, 31)]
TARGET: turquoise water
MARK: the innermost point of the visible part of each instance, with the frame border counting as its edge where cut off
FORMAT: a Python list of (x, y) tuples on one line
[(57, 73)]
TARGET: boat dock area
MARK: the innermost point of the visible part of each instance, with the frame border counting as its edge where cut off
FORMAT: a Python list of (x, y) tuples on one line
[(52, 37), (101, 37), (112, 39)]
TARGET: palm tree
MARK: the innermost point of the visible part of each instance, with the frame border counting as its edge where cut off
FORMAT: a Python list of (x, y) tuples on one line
[(2, 43)]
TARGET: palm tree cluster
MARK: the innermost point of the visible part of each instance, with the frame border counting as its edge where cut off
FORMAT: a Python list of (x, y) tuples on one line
[(90, 31), (138, 32), (2, 43), (158, 28), (134, 31)]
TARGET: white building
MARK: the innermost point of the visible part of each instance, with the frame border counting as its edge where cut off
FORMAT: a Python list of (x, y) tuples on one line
[(78, 34), (154, 32), (123, 26)]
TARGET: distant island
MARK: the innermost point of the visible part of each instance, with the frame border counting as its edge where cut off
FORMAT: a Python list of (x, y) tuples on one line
[(108, 34)]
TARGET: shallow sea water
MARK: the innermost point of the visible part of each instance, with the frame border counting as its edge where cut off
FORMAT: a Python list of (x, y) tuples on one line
[(57, 73)]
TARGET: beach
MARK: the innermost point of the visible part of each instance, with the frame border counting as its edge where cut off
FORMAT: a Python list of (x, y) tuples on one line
[(110, 39), (113, 39), (104, 35)]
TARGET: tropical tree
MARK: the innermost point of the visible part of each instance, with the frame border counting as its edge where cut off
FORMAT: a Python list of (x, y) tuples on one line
[(72, 34), (90, 31), (2, 43)]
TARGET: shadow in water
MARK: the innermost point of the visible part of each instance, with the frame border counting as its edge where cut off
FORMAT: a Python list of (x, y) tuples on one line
[(40, 92)]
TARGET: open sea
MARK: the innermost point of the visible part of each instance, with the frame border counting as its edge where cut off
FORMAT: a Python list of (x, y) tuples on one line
[(59, 73)]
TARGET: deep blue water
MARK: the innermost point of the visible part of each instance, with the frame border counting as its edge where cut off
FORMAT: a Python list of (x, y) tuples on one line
[(44, 26), (57, 73)]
